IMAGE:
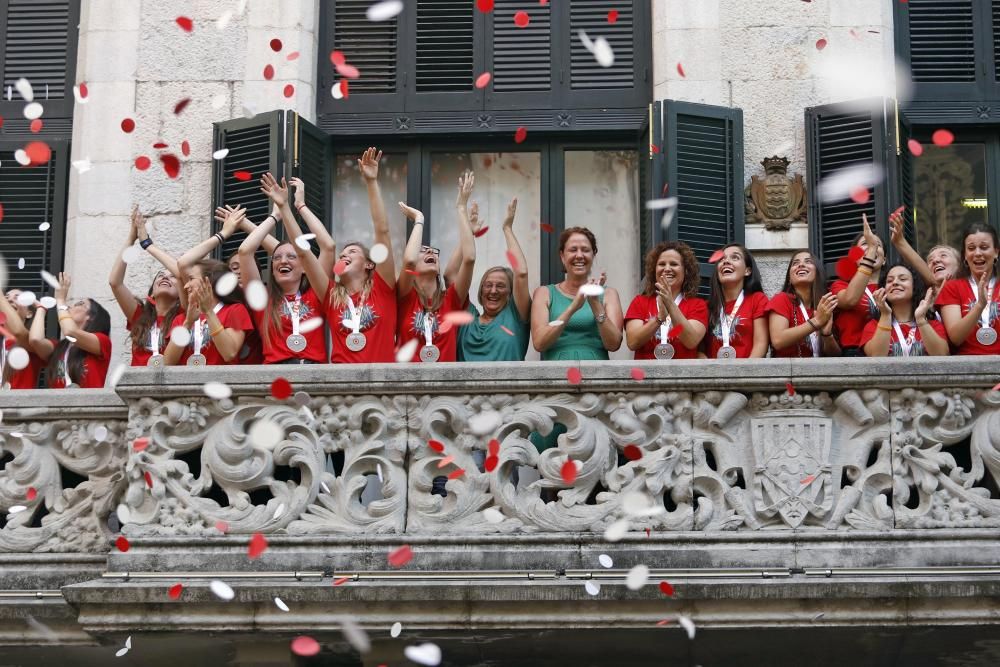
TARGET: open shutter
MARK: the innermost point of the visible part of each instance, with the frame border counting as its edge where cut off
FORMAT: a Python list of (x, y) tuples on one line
[(31, 196), (839, 136), (39, 39), (703, 155), (906, 186), (996, 41), (311, 159)]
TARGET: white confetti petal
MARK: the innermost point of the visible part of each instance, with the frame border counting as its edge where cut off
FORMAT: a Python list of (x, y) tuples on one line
[(14, 509), (605, 560), (636, 503), (687, 624), (226, 283), (256, 295), (311, 324), (120, 652), (222, 590), (18, 358), (839, 185), (396, 628), (82, 166), (667, 202), (337, 91), (280, 604), (21, 157), (265, 433), (217, 390), (115, 376), (556, 323), (44, 227), (33, 111), (100, 433), (354, 635), (385, 10), (131, 254), (302, 241), (616, 531), (20, 263), (326, 489), (603, 53), (378, 469), (223, 20), (485, 423), (128, 642), (124, 515), (405, 353), (379, 253), (50, 279), (220, 154), (180, 336), (637, 577), (590, 289), (80, 99), (424, 654), (593, 588), (587, 42), (24, 89), (26, 298), (493, 515), (47, 302), (71, 339)]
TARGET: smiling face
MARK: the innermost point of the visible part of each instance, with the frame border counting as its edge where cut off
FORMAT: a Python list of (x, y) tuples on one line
[(899, 285), (671, 264), (494, 292), (165, 284), (944, 262), (355, 262), (429, 260), (80, 312), (879, 249), (234, 265), (980, 253), (286, 268), (22, 311), (802, 270), (577, 256), (732, 268)]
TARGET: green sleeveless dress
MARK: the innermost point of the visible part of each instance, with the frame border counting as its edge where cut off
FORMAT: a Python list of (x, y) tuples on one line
[(580, 340)]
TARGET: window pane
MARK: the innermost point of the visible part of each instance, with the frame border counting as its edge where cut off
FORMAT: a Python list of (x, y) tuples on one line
[(602, 193), (352, 220), (949, 181)]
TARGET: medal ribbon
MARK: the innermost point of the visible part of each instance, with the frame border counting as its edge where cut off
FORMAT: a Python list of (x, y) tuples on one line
[(199, 329), (295, 310), (355, 314), (906, 343), (3, 355), (984, 319), (814, 336), (726, 323), (428, 328), (154, 338), (65, 364), (668, 323)]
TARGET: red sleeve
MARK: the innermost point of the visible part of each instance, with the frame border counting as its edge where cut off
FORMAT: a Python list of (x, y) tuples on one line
[(698, 311), (759, 304), (951, 294), (237, 317), (135, 315), (105, 345), (868, 332), (178, 322), (939, 329), (638, 309), (781, 304), (838, 286)]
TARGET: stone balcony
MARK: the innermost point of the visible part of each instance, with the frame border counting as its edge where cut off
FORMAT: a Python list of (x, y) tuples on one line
[(829, 500)]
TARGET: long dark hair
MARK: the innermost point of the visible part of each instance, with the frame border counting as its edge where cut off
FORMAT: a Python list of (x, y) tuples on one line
[(964, 270), (139, 331), (688, 260), (717, 298), (276, 300), (98, 321), (819, 284), (919, 288)]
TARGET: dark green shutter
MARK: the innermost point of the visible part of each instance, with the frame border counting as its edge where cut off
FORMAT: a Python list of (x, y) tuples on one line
[(839, 136), (312, 161), (703, 154), (522, 56), (906, 188), (996, 40), (591, 16), (31, 196), (445, 48), (942, 48)]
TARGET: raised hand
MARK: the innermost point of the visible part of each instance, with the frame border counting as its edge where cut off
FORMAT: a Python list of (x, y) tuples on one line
[(230, 219), (202, 293), (368, 164), (925, 305), (411, 213), (474, 222), (508, 221), (896, 224), (62, 292), (872, 241), (664, 296), (277, 193), (984, 296), (879, 297), (825, 308), (138, 221), (465, 184), (300, 190), (193, 310)]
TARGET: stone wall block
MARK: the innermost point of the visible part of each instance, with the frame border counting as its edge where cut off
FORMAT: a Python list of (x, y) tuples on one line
[(97, 130), (697, 50), (757, 13), (205, 54), (283, 14), (101, 192), (110, 14), (787, 56), (154, 191), (680, 14), (108, 55), (198, 187)]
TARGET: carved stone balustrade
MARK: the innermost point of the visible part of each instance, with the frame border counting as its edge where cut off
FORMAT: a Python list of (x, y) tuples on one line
[(780, 468)]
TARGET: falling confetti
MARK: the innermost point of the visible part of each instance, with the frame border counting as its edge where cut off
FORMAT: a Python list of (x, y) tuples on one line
[(171, 165), (256, 295), (275, 44), (140, 444), (122, 544), (269, 72), (225, 285), (820, 44), (942, 137), (217, 390), (916, 148), (520, 135), (568, 471), (424, 654), (175, 591), (185, 23), (128, 646), (613, 16), (860, 195), (181, 105), (483, 80), (280, 604), (638, 374), (680, 70), (401, 556), (32, 493), (521, 19), (790, 388), (378, 253), (666, 588), (632, 452), (221, 590), (485, 5), (546, 227), (605, 561), (396, 629), (574, 376), (242, 175), (36, 126), (688, 625), (385, 10), (637, 577), (305, 646), (807, 480), (288, 90), (592, 587), (38, 152)]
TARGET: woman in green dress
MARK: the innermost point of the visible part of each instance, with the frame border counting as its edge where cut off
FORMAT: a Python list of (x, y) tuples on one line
[(500, 332), (578, 319)]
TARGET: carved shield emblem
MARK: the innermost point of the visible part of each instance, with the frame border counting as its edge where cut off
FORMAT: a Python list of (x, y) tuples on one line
[(791, 475)]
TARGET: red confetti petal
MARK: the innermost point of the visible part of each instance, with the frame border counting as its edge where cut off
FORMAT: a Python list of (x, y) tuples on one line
[(337, 58), (506, 330), (856, 253), (568, 471), (995, 388), (445, 327), (348, 71), (520, 135), (257, 546), (1, 212), (269, 72), (339, 267), (485, 5), (512, 260), (820, 44), (483, 80), (341, 580), (482, 232), (122, 544), (633, 452), (942, 138), (242, 175), (149, 479), (666, 621), (294, 55), (860, 195), (846, 268), (175, 591), (790, 388), (401, 556), (445, 461), (288, 90), (807, 480), (546, 227), (38, 152), (181, 105), (493, 447), (186, 24), (185, 148), (638, 374), (436, 445), (648, 532), (36, 125), (680, 70), (160, 145), (281, 389), (275, 44), (222, 526), (613, 16), (140, 444), (32, 493), (574, 376), (343, 89), (491, 463), (84, 91), (655, 149), (458, 317), (716, 256), (521, 19), (171, 164), (666, 588), (305, 646), (142, 163), (455, 474)]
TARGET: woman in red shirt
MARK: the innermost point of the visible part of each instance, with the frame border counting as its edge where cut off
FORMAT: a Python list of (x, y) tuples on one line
[(854, 303), (290, 324), (903, 328), (969, 303), (737, 308), (147, 319), (81, 358), (668, 320), (800, 318), (421, 299), (20, 364)]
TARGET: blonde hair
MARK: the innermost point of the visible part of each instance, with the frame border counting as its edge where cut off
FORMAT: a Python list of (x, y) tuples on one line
[(339, 295)]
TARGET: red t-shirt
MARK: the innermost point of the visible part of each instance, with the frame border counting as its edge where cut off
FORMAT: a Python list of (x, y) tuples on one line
[(754, 307), (410, 322), (232, 316), (643, 307), (850, 323), (958, 292), (95, 367), (27, 377), (277, 349), (142, 353), (378, 324), (787, 305), (895, 349)]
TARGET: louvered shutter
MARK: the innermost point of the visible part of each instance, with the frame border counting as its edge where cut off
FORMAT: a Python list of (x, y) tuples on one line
[(522, 56), (256, 145), (839, 136), (996, 41), (39, 44), (703, 155), (905, 187), (625, 80), (447, 55), (312, 161), (31, 196)]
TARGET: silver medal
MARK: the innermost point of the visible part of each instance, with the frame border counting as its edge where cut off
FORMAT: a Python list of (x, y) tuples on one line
[(430, 353), (727, 352), (296, 342), (356, 342), (196, 360), (986, 335), (155, 361), (663, 351)]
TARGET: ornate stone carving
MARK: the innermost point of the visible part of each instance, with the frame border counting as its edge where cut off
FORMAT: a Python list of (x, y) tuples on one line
[(775, 200)]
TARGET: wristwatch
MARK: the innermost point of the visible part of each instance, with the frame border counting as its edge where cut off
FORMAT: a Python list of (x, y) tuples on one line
[(600, 318)]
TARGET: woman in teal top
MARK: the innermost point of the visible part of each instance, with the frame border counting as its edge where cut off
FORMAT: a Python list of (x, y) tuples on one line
[(500, 333), (561, 327)]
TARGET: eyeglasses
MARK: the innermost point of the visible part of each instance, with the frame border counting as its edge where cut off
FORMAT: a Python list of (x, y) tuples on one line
[(426, 248)]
